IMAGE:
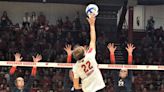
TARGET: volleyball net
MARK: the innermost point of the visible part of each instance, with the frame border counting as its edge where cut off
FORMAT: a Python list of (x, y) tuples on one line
[(70, 65)]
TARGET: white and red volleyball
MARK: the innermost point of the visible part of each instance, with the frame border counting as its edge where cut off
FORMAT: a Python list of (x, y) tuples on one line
[(92, 9)]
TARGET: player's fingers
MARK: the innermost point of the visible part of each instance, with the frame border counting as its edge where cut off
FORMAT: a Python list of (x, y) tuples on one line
[(33, 57), (69, 46), (115, 47), (66, 46), (40, 57), (128, 45), (37, 55), (112, 44), (132, 45), (108, 45)]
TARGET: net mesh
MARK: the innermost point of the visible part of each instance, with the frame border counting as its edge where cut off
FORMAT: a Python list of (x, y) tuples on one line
[(57, 80)]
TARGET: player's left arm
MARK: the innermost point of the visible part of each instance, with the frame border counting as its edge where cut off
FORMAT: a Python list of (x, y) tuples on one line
[(130, 47), (75, 78), (76, 83)]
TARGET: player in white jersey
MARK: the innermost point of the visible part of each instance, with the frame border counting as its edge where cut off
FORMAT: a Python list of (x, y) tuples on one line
[(86, 66)]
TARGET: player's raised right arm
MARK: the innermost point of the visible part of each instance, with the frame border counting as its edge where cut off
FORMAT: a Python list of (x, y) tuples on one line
[(91, 21)]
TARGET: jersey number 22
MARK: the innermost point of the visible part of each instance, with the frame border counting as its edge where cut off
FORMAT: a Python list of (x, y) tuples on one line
[(87, 66)]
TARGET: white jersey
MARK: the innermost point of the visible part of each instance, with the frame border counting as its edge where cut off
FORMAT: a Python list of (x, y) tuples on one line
[(87, 69)]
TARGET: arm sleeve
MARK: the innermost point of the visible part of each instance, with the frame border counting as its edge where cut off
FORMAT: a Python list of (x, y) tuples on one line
[(12, 70), (69, 58), (112, 59), (12, 81), (33, 72), (130, 59)]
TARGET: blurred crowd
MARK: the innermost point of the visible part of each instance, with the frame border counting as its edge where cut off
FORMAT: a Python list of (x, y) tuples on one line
[(36, 35)]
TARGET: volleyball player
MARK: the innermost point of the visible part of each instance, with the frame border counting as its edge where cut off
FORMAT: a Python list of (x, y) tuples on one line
[(19, 85), (86, 67), (122, 78)]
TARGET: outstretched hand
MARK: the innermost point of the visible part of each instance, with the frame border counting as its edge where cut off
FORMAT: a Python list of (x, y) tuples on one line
[(111, 47), (130, 47), (91, 19), (18, 57), (67, 48), (37, 58)]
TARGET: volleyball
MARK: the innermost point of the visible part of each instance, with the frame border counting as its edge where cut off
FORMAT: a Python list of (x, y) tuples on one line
[(92, 9)]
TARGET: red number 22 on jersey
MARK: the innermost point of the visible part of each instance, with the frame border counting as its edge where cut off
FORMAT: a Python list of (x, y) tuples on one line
[(86, 67)]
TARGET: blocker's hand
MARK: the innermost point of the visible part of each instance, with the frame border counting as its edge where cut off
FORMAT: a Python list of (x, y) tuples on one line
[(111, 48), (37, 58), (18, 57), (130, 47), (67, 48)]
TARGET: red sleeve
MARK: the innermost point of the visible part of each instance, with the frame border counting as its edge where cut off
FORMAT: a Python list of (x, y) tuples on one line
[(69, 58), (12, 70), (33, 72), (112, 58), (130, 59)]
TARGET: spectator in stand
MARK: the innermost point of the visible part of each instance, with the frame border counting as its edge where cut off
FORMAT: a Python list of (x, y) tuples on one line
[(41, 19), (33, 18), (26, 21), (5, 21), (17, 27), (69, 39), (47, 26), (60, 23), (44, 29), (77, 22), (18, 85), (122, 78), (68, 24), (150, 24)]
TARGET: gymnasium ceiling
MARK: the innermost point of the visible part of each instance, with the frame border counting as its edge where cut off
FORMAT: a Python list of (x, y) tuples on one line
[(85, 2)]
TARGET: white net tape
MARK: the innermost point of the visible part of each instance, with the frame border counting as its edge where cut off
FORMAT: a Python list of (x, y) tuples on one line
[(70, 65)]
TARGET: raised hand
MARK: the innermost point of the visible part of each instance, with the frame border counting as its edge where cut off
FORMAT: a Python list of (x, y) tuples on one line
[(91, 20), (67, 48), (37, 58), (18, 57), (111, 48), (130, 47)]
